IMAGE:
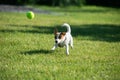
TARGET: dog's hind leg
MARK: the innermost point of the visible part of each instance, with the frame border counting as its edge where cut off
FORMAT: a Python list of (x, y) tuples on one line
[(67, 49), (71, 42)]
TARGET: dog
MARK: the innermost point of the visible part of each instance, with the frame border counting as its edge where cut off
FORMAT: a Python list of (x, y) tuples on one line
[(63, 38)]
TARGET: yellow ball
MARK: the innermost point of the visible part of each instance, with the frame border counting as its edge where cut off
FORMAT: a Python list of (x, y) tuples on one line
[(30, 15)]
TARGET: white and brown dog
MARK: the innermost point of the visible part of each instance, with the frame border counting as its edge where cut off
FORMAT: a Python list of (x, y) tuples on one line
[(63, 38)]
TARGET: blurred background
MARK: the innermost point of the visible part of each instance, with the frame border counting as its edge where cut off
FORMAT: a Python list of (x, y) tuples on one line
[(63, 3)]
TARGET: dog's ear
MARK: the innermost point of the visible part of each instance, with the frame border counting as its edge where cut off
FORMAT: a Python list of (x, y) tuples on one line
[(55, 31)]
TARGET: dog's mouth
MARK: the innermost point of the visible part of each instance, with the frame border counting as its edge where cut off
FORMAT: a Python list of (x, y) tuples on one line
[(57, 41)]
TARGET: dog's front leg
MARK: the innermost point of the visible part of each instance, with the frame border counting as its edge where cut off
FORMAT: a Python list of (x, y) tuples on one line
[(54, 47), (67, 49)]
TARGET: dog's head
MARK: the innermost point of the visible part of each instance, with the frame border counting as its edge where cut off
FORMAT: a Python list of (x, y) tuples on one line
[(59, 36)]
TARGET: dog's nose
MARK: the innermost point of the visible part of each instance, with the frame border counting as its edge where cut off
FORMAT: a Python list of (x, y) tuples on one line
[(56, 41)]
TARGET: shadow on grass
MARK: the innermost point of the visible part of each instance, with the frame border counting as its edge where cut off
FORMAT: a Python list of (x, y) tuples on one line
[(30, 29), (101, 32), (41, 51), (110, 33)]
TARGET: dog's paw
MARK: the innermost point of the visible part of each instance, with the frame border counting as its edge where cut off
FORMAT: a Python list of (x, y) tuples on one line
[(71, 46), (67, 53), (53, 49)]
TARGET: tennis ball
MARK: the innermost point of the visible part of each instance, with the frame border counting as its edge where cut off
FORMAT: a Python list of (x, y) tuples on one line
[(30, 15)]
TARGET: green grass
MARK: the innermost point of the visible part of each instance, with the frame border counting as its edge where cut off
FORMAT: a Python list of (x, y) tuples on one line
[(25, 45)]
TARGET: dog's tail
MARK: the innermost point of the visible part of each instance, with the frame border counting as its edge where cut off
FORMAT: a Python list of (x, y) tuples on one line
[(67, 26)]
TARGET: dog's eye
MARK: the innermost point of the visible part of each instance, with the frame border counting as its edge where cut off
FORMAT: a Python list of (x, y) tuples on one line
[(60, 37), (55, 37)]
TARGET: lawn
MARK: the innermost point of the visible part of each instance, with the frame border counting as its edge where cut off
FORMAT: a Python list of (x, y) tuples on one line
[(25, 45)]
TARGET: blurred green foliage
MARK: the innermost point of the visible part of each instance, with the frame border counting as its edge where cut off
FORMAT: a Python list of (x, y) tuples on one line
[(112, 3), (45, 2), (108, 3)]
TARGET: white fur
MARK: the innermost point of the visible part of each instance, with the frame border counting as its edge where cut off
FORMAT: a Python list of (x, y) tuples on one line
[(66, 41)]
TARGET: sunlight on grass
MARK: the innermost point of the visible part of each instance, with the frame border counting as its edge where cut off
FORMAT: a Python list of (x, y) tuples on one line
[(25, 45)]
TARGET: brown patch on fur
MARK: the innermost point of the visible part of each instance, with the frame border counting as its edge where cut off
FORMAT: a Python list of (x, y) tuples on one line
[(62, 34)]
